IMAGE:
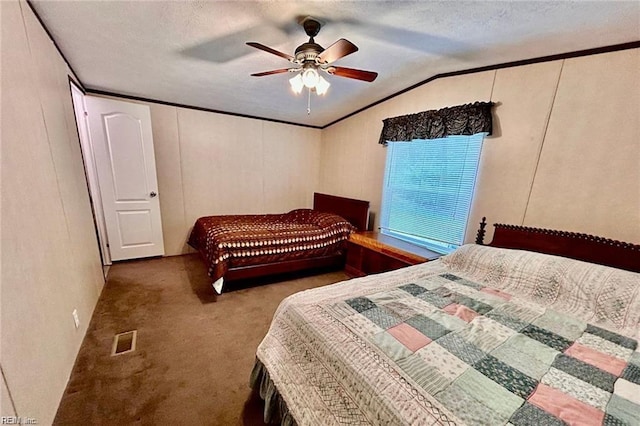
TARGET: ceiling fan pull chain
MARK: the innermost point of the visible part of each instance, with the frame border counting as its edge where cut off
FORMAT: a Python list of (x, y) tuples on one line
[(309, 103)]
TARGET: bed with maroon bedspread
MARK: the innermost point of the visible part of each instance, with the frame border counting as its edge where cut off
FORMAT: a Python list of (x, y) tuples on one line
[(232, 241)]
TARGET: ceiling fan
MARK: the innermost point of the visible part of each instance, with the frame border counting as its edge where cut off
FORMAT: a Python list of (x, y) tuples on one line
[(310, 58)]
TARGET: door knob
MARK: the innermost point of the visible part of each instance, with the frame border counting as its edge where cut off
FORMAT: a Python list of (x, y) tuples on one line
[(153, 194)]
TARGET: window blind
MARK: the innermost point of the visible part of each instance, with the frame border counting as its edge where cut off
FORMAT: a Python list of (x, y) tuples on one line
[(428, 188)]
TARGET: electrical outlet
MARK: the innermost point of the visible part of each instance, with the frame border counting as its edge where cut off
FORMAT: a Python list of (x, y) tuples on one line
[(76, 320)]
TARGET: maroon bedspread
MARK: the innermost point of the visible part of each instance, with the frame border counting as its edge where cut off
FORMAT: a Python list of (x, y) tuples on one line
[(241, 240)]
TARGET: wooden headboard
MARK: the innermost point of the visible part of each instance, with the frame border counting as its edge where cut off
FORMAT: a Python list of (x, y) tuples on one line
[(588, 248), (355, 211)]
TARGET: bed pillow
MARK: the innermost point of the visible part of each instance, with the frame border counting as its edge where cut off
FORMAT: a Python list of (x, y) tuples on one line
[(322, 219), (300, 215), (600, 295)]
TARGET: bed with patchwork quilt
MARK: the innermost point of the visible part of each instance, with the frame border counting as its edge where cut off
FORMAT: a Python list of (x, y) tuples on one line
[(483, 336)]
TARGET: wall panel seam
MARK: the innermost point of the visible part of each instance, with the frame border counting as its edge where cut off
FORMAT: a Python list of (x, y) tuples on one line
[(493, 84), (46, 130), (184, 204), (544, 137), (6, 385)]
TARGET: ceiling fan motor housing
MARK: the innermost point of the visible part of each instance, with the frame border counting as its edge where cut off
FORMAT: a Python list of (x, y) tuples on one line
[(308, 52)]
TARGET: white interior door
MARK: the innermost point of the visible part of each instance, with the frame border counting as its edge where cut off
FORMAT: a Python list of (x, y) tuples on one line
[(123, 148)]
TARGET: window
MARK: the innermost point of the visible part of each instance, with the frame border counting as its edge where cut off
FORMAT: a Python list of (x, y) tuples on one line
[(428, 187)]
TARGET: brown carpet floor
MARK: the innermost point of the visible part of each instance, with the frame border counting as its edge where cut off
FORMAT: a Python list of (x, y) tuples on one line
[(194, 352)]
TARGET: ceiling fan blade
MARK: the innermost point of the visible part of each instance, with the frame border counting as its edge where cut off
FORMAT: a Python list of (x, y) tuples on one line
[(270, 50), (337, 50), (262, 74), (353, 73)]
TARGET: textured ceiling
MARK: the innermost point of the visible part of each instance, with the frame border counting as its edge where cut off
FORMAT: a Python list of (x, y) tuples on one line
[(194, 53)]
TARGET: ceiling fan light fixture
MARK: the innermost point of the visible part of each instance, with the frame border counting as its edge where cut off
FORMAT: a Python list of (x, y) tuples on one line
[(310, 77), (296, 84), (322, 86), (310, 58)]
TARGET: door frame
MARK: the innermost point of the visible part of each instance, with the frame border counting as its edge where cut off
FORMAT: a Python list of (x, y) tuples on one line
[(91, 173)]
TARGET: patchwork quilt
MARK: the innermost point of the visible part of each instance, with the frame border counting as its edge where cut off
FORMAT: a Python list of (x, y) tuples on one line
[(433, 345)]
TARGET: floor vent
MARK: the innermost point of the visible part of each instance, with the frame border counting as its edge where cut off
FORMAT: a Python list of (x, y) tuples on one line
[(124, 343)]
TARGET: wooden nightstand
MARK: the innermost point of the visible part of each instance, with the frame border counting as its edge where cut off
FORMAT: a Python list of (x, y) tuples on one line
[(372, 253)]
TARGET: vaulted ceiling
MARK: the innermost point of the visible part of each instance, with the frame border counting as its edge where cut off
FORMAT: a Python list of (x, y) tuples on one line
[(194, 53)]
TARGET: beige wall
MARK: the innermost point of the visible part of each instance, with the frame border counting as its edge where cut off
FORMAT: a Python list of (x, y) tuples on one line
[(588, 177), (565, 152), (209, 164), (49, 257)]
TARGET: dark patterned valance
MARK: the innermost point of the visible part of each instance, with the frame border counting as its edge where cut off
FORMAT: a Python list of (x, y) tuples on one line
[(466, 119)]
